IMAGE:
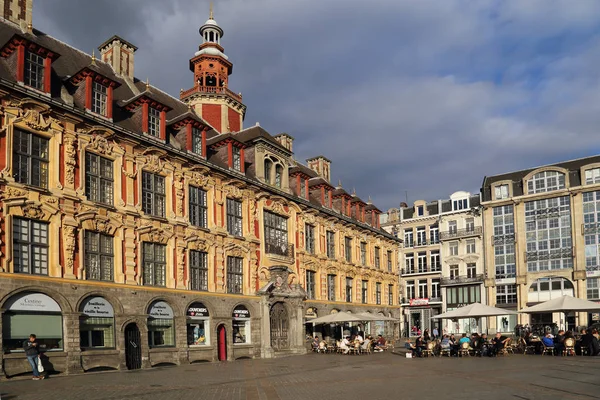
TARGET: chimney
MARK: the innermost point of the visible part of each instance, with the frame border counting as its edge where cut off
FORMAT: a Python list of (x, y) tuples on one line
[(285, 140), (321, 166), (119, 54), (19, 12)]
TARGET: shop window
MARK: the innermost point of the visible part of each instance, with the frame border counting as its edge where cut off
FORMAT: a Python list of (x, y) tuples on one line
[(161, 328), (97, 324), (28, 313), (241, 325), (198, 329)]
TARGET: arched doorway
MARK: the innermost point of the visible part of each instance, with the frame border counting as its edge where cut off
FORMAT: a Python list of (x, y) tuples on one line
[(133, 346), (279, 327), (221, 343)]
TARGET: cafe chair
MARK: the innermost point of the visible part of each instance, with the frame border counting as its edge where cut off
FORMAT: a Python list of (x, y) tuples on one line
[(569, 347), (464, 350)]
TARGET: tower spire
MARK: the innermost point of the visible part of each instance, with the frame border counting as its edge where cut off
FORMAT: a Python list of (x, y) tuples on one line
[(210, 16)]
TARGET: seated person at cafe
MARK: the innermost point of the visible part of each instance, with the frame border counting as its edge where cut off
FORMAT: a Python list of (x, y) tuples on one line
[(484, 342), (409, 346), (464, 339), (547, 340), (559, 342), (315, 342), (322, 346), (445, 343), (380, 344), (345, 345), (498, 343)]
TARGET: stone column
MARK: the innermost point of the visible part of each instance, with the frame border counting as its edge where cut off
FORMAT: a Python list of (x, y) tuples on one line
[(71, 345), (181, 339), (265, 325)]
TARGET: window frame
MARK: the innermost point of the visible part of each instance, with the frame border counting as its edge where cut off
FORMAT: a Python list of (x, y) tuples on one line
[(235, 219), (348, 248), (198, 267), (154, 198), (235, 275), (105, 259), (330, 243), (310, 284), (151, 266), (331, 287), (104, 184), (34, 247), (198, 209), (34, 71), (153, 122), (32, 161), (349, 286), (309, 238), (99, 99)]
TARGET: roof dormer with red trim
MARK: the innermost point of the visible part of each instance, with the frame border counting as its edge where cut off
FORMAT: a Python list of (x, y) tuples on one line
[(97, 90), (33, 62), (230, 151), (194, 133), (153, 114)]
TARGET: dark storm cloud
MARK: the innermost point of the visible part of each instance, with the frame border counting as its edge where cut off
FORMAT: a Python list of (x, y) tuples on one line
[(421, 96)]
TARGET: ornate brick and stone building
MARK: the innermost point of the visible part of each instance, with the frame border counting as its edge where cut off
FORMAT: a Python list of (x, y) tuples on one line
[(138, 229)]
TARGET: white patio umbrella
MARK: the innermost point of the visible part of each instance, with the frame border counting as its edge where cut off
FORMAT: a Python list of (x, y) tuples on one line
[(475, 310), (563, 304), (337, 318), (374, 317)]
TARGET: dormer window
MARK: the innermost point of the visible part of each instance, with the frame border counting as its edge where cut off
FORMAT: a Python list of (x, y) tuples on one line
[(196, 141), (546, 181), (302, 189), (34, 70), (99, 98), (420, 211), (236, 155), (461, 204), (278, 175), (153, 122), (501, 192)]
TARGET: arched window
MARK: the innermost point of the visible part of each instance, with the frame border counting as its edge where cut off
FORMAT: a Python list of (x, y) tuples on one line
[(546, 181), (278, 175), (241, 325), (268, 168), (211, 80), (198, 329), (161, 328), (28, 313), (550, 284), (97, 324)]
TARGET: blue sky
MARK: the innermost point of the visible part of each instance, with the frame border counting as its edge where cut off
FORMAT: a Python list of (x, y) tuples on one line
[(421, 96)]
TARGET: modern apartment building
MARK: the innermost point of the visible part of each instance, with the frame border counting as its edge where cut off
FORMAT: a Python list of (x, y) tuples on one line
[(542, 232)]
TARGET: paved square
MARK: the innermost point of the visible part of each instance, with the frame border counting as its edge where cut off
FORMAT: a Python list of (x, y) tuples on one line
[(332, 376)]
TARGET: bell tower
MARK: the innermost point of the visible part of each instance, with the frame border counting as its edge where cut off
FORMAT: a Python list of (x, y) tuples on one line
[(210, 97)]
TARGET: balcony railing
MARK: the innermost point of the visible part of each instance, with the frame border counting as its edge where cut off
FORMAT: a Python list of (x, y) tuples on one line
[(502, 239), (421, 270), (458, 280), (460, 233), (280, 248), (505, 276), (565, 252), (210, 89), (420, 243), (591, 228), (435, 299)]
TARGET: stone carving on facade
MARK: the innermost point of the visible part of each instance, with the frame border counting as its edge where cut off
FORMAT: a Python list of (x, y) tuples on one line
[(34, 119), (100, 144), (70, 146), (180, 264), (11, 193), (69, 243), (277, 207), (155, 234), (53, 201), (179, 193), (33, 211)]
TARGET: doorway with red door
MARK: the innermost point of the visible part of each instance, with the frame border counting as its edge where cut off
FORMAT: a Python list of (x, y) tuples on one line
[(221, 343)]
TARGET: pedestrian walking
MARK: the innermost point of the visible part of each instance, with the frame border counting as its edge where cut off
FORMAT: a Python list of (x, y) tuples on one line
[(32, 351)]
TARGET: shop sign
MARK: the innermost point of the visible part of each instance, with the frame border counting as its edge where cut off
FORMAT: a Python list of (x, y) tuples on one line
[(98, 307), (36, 302), (311, 313), (197, 310), (240, 312), (160, 310), (595, 316), (592, 274), (419, 302)]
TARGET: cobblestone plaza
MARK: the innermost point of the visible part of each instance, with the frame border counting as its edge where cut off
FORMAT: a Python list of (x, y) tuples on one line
[(332, 376)]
